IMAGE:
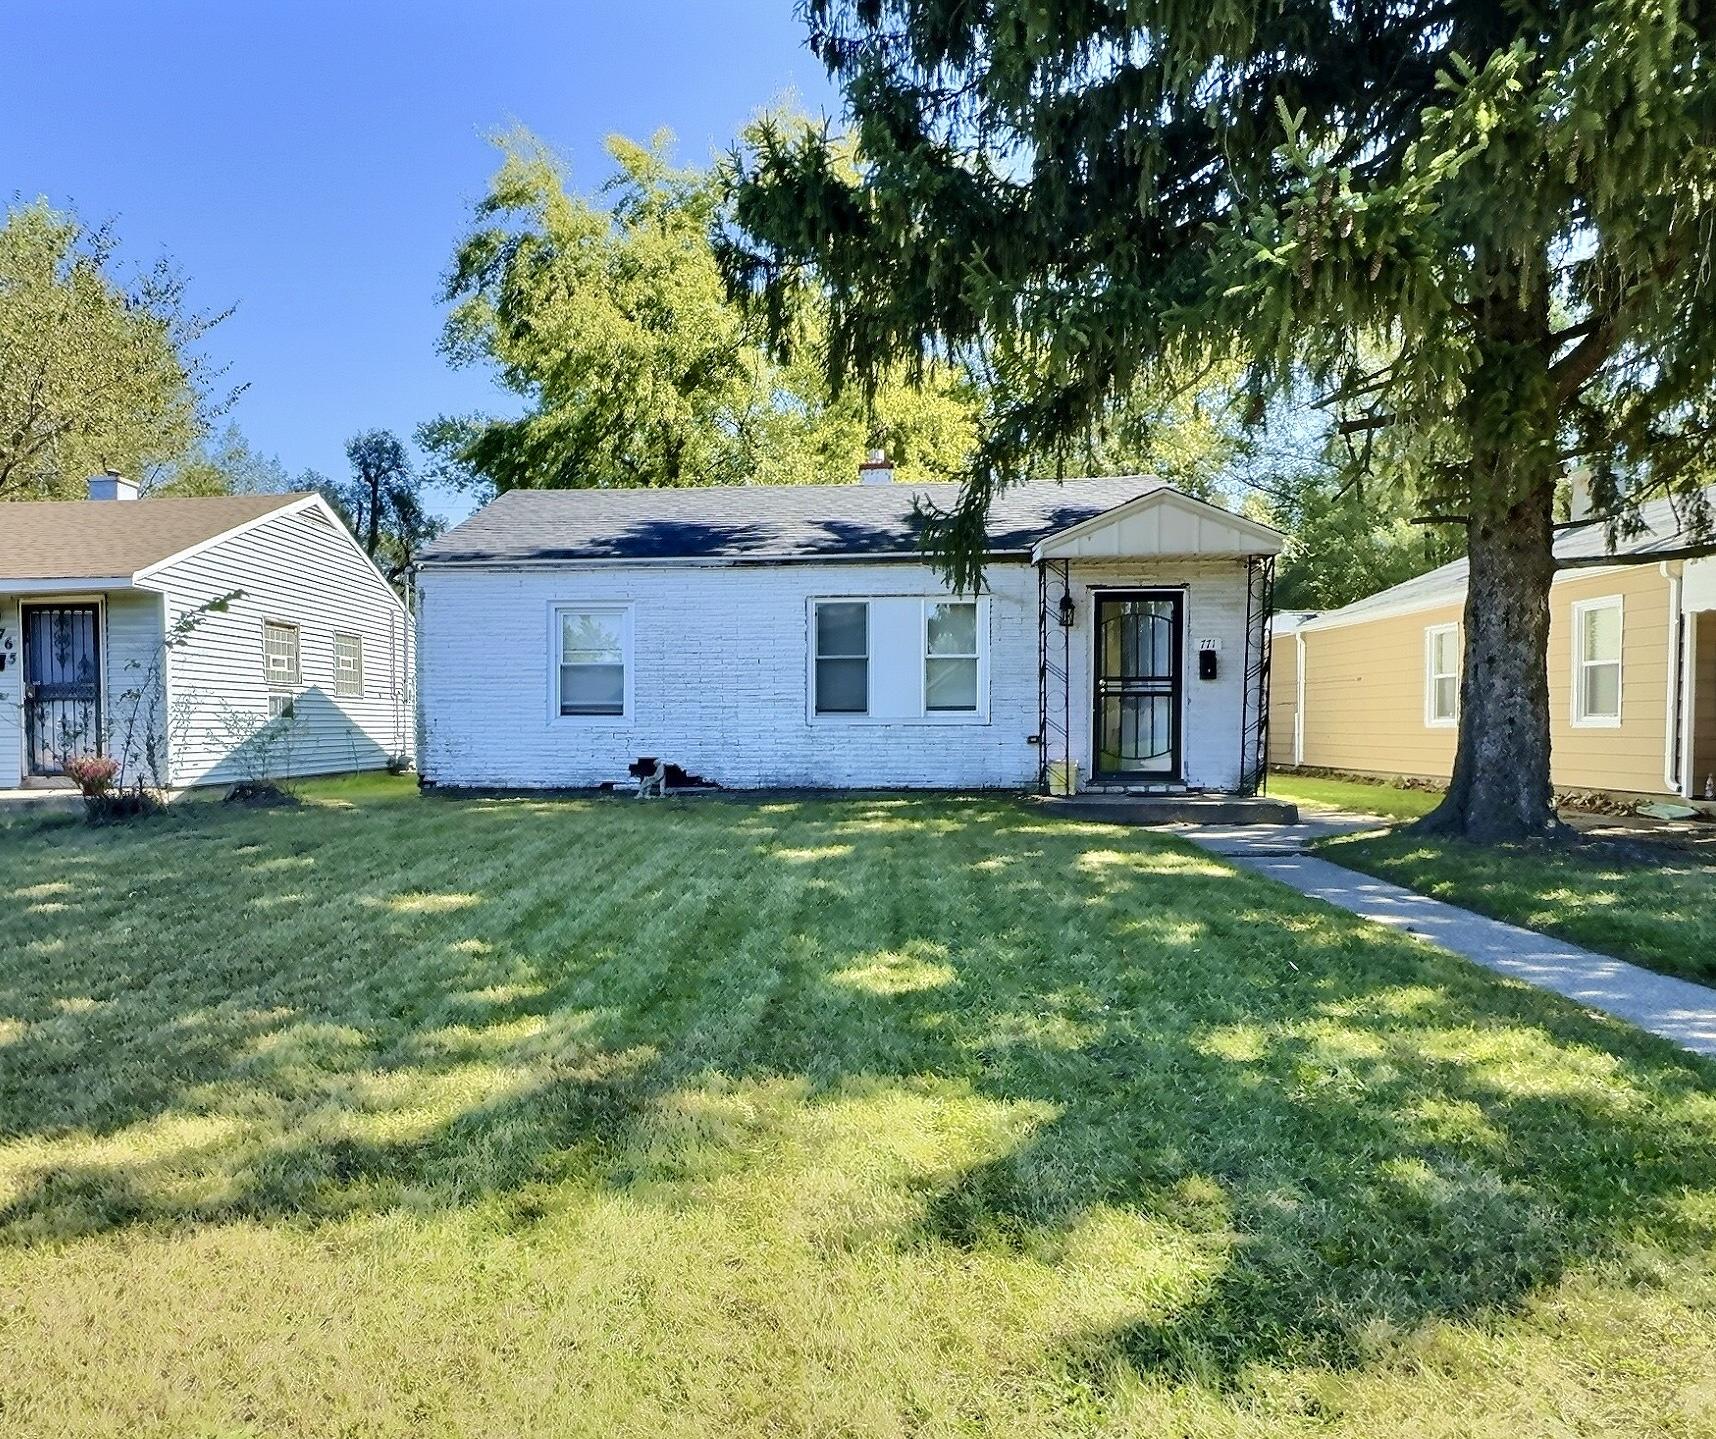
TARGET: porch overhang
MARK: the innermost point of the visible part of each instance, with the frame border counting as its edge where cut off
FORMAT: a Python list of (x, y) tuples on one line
[(1163, 524)]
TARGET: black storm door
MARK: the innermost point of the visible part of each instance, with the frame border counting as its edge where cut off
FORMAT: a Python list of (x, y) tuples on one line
[(62, 684), (1137, 689)]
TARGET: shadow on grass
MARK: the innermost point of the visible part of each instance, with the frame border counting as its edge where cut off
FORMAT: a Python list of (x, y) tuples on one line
[(502, 1005)]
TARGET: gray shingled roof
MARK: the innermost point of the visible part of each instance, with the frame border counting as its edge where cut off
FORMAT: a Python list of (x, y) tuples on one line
[(756, 522), (1663, 536), (114, 539)]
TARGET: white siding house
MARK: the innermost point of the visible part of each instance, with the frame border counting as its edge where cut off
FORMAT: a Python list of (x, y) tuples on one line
[(197, 641), (797, 637)]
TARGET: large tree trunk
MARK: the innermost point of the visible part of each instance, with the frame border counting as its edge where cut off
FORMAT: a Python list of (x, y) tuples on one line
[(1500, 788)]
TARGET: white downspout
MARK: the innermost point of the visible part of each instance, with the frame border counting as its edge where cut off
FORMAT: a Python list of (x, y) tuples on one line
[(1298, 698), (169, 741), (1676, 749), (1688, 694)]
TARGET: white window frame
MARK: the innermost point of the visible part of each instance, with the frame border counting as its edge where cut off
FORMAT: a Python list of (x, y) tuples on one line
[(923, 715), (1577, 716), (979, 712), (628, 657), (279, 679), (1432, 633), (348, 682), (818, 716)]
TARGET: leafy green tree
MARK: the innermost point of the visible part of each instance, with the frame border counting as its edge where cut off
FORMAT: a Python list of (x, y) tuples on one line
[(94, 373), (1177, 423), (608, 316), (1343, 542), (226, 466), (1511, 203), (1348, 536), (383, 501)]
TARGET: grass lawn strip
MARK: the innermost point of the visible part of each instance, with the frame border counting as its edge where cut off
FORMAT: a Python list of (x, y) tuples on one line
[(1321, 792), (1660, 915), (390, 1116)]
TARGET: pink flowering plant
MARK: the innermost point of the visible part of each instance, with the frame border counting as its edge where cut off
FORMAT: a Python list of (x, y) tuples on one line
[(93, 774), (104, 799)]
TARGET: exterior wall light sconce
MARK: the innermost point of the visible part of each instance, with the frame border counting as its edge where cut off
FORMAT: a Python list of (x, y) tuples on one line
[(1067, 609)]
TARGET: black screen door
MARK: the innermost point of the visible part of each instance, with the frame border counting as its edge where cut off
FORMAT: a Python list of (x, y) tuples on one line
[(62, 684), (1137, 690)]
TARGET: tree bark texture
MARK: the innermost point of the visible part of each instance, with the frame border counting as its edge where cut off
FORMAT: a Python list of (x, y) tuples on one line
[(1500, 788)]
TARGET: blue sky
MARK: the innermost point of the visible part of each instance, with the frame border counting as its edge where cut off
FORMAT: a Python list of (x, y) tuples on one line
[(314, 163)]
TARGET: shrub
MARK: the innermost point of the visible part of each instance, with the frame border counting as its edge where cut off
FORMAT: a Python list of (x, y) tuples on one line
[(93, 774), (260, 794)]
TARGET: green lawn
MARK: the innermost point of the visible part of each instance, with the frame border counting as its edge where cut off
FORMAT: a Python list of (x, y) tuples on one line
[(1319, 792), (1662, 915), (392, 1116)]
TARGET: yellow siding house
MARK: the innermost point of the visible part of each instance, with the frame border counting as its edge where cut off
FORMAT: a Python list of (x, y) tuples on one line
[(1374, 688)]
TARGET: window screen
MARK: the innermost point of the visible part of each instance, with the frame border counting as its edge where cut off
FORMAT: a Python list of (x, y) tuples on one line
[(950, 656), (842, 657)]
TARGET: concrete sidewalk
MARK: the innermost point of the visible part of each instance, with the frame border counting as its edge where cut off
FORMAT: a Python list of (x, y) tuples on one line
[(1235, 841), (1675, 1009)]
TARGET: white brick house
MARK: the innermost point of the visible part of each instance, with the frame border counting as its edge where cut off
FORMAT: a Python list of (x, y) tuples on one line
[(195, 640), (797, 636)]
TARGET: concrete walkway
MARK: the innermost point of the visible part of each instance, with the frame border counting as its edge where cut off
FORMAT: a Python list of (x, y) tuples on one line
[(1676, 1009)]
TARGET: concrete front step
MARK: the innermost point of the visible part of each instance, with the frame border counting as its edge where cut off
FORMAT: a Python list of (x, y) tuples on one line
[(35, 802), (1173, 809)]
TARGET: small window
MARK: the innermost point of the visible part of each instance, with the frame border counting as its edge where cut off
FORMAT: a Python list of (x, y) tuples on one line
[(1442, 675), (1597, 662), (843, 657), (593, 650), (348, 666), (282, 707), (280, 652), (950, 657)]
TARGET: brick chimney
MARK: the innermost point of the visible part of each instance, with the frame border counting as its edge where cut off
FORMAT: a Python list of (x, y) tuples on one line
[(112, 486), (877, 469)]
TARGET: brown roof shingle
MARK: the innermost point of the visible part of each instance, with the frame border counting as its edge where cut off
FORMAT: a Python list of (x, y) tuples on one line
[(104, 539)]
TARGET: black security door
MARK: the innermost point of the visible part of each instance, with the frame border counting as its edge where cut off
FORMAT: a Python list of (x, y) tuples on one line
[(1137, 690), (62, 684)]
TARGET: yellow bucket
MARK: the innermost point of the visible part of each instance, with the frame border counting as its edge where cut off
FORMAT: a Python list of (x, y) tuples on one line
[(1063, 776)]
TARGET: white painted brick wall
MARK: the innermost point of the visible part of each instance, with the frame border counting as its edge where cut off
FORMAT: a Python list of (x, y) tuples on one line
[(721, 662)]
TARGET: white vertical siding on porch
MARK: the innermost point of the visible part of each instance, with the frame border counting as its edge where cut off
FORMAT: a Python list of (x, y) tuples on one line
[(300, 569)]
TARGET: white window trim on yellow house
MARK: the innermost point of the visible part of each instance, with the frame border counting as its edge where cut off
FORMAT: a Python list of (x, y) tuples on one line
[(1433, 720), (1579, 717), (1681, 562)]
